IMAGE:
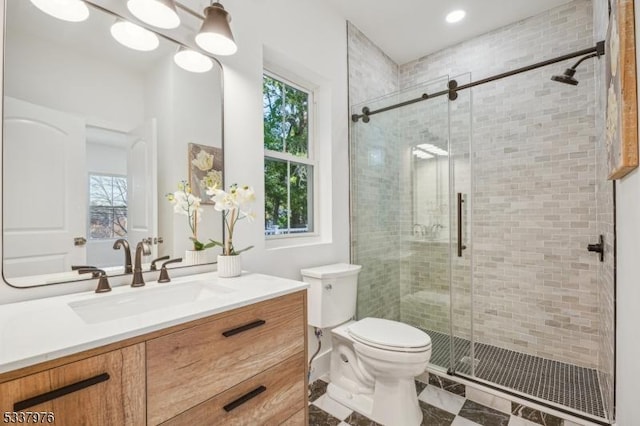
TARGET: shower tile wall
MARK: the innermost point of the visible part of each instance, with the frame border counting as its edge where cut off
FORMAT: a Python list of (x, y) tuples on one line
[(374, 195), (535, 285), (604, 190)]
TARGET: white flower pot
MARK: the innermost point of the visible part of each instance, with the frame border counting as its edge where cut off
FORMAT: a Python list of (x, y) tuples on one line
[(229, 266), (194, 257)]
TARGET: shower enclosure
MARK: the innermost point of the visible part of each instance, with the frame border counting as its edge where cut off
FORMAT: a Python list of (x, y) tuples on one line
[(471, 218)]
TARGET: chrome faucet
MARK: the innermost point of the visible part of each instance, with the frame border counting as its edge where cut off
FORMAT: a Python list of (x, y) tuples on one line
[(127, 253), (141, 249)]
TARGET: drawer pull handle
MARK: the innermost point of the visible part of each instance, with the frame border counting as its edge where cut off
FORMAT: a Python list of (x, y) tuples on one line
[(238, 402), (57, 393), (243, 328)]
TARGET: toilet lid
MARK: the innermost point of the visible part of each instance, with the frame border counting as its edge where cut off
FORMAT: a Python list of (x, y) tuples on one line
[(389, 334)]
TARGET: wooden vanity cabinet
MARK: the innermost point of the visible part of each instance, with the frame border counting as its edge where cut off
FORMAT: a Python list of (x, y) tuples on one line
[(246, 366), (190, 366), (107, 389)]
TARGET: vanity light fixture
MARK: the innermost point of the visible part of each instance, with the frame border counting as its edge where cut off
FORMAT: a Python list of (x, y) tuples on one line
[(455, 16), (214, 37), (67, 10), (134, 36), (159, 13), (192, 61), (215, 34)]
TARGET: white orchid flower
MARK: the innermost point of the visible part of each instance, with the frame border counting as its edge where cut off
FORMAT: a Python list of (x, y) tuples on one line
[(245, 195), (229, 203), (223, 201)]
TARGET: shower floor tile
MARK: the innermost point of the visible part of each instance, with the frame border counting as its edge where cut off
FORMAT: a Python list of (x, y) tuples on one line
[(566, 384)]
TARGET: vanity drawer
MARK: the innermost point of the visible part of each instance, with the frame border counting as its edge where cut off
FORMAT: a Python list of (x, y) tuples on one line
[(106, 389), (188, 367), (270, 398)]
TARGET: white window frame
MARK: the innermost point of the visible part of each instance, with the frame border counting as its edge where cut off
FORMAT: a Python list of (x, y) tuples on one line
[(310, 160)]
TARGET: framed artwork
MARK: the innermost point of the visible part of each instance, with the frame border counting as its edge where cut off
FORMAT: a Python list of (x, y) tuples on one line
[(205, 170), (620, 77)]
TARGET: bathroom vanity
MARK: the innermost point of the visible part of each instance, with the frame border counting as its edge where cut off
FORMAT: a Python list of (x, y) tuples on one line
[(232, 351)]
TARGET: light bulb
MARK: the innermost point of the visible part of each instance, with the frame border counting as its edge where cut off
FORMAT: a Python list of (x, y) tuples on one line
[(192, 61), (134, 36), (67, 10), (159, 13)]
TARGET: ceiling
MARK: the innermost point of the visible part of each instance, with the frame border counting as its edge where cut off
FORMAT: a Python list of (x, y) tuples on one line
[(410, 29)]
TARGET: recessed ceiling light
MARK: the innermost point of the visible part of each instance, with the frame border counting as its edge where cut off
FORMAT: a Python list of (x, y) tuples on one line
[(431, 149), (455, 16)]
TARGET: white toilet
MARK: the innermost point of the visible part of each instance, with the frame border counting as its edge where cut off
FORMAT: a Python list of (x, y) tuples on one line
[(373, 361)]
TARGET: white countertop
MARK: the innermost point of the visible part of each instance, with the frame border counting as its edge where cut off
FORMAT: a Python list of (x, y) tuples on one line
[(40, 330)]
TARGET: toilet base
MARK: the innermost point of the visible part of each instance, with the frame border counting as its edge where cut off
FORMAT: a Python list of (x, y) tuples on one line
[(363, 404), (401, 408)]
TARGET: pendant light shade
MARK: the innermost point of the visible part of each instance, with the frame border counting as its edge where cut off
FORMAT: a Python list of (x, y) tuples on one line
[(192, 61), (215, 34), (67, 10), (134, 36), (159, 13)]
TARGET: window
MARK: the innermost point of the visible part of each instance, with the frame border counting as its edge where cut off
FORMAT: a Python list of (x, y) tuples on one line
[(288, 157), (107, 206)]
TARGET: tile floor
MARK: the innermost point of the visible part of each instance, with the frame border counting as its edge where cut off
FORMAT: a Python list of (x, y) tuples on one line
[(443, 403)]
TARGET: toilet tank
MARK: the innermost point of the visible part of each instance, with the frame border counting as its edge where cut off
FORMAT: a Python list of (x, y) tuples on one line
[(332, 293)]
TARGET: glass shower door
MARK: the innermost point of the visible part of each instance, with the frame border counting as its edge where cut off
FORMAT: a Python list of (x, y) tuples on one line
[(460, 196), (425, 278), (400, 208)]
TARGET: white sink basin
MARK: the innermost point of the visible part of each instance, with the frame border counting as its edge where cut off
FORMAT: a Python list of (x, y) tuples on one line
[(114, 306)]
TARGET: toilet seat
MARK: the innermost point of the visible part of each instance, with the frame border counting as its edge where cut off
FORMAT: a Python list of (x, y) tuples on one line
[(389, 335)]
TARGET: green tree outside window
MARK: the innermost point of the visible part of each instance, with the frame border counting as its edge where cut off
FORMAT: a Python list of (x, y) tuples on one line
[(288, 167)]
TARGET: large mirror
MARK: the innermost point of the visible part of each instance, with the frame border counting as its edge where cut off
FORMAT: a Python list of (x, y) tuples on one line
[(95, 135)]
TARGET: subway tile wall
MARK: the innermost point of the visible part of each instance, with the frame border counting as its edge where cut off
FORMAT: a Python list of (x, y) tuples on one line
[(533, 190), (374, 196)]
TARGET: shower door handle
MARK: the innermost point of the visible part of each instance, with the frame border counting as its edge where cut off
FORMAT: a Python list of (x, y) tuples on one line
[(460, 246)]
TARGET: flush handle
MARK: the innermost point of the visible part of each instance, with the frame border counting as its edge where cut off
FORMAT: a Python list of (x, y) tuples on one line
[(328, 287), (598, 248), (79, 241)]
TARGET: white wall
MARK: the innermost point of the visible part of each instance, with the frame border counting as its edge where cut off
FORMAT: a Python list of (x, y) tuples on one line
[(314, 36), (628, 288)]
